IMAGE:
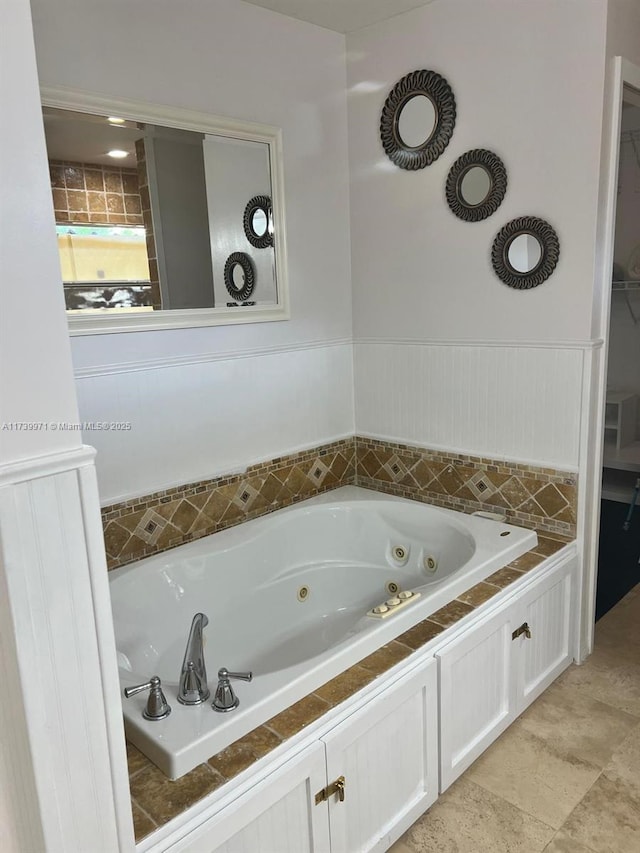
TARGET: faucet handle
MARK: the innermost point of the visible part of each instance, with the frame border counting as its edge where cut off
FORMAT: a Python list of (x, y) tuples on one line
[(225, 699), (243, 676), (157, 706)]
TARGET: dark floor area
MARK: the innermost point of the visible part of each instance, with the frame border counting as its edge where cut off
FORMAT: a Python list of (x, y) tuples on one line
[(618, 566)]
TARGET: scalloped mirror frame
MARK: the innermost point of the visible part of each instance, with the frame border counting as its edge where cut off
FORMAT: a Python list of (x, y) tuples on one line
[(80, 101)]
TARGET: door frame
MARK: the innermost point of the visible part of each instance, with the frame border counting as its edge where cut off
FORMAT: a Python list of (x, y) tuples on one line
[(620, 73)]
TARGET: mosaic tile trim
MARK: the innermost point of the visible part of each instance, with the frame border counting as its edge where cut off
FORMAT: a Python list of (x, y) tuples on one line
[(541, 498), (154, 523), (155, 799)]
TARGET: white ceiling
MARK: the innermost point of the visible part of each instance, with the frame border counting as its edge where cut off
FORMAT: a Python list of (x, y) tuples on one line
[(344, 16)]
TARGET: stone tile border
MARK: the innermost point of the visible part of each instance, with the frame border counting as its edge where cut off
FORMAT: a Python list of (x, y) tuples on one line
[(154, 523), (540, 498), (155, 799)]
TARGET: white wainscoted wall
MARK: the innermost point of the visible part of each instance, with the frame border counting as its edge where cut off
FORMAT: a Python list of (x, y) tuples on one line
[(199, 418), (504, 401), (63, 773)]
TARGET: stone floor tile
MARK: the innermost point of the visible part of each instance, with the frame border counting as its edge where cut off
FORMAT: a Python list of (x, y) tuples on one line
[(470, 819), (399, 847), (562, 843), (609, 677), (624, 766), (576, 725), (530, 774), (607, 820)]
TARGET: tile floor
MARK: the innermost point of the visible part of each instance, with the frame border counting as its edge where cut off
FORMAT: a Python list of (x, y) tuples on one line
[(565, 777)]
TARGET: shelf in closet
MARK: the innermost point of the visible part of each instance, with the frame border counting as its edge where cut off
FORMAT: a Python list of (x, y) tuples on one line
[(619, 420)]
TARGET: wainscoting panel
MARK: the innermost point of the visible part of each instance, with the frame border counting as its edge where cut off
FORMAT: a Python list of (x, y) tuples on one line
[(508, 402), (194, 421)]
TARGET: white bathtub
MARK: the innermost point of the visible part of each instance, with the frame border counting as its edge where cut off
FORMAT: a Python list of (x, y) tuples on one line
[(247, 579)]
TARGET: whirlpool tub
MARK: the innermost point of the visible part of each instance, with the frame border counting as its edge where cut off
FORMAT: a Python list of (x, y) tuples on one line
[(287, 596)]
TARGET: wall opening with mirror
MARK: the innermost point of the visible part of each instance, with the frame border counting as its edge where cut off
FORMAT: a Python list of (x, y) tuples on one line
[(149, 213)]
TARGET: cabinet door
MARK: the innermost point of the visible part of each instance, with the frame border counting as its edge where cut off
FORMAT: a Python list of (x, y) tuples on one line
[(548, 611), (387, 752), (278, 815), (477, 692)]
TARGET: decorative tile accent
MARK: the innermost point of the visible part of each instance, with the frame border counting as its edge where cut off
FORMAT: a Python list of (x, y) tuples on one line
[(145, 526), (541, 498)]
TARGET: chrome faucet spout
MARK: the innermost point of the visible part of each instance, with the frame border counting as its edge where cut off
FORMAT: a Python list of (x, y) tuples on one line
[(192, 687)]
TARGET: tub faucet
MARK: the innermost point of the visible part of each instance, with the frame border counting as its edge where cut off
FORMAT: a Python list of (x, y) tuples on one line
[(192, 687)]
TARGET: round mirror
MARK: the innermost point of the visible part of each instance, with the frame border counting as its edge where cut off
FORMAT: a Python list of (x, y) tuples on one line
[(416, 121), (524, 253), (239, 276), (475, 186), (258, 222)]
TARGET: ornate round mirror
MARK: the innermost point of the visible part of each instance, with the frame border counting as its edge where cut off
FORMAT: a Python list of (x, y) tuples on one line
[(525, 252), (258, 222), (239, 276), (417, 119), (476, 185)]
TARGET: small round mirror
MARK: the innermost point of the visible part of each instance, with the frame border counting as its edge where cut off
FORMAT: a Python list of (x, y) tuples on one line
[(416, 121), (475, 186), (239, 276), (259, 222), (524, 253)]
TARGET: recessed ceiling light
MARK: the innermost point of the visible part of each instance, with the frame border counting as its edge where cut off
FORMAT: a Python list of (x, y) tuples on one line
[(117, 153), (115, 120)]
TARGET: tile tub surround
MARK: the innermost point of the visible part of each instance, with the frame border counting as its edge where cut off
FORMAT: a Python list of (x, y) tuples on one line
[(154, 523), (540, 498), (155, 799)]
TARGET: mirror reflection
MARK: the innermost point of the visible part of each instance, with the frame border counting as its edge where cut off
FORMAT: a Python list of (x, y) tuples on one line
[(475, 186), (237, 277), (524, 253), (259, 223), (147, 215), (417, 121)]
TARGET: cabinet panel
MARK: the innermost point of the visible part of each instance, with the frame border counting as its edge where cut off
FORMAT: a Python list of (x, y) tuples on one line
[(387, 753), (477, 693), (278, 815), (548, 612)]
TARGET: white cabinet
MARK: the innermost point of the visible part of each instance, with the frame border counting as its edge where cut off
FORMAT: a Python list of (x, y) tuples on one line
[(494, 669), (389, 750), (278, 815), (387, 753)]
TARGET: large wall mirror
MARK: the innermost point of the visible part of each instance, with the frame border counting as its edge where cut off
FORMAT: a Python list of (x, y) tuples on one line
[(150, 204)]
